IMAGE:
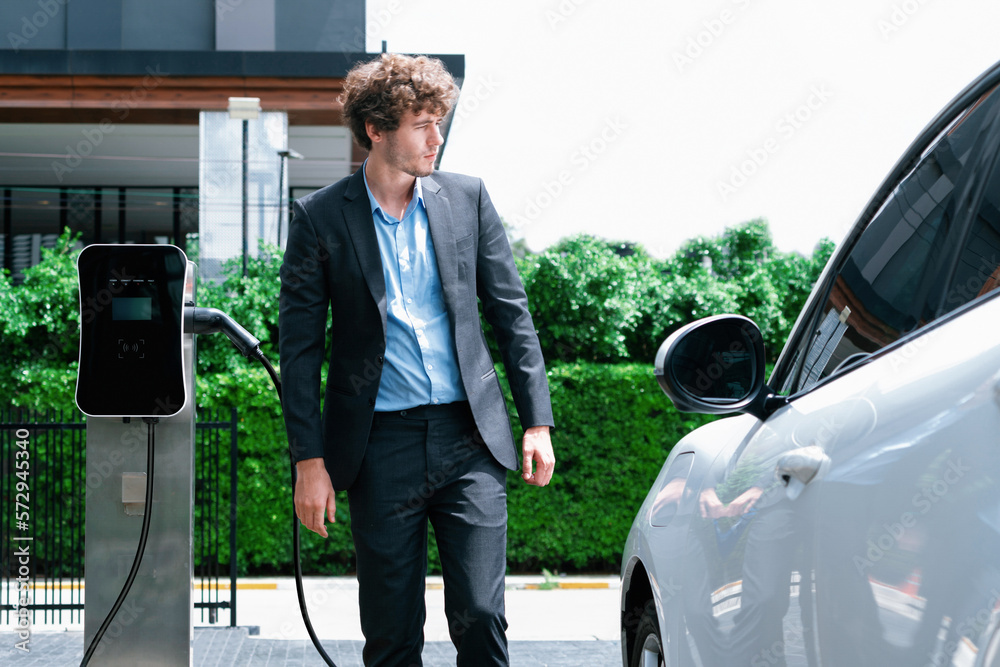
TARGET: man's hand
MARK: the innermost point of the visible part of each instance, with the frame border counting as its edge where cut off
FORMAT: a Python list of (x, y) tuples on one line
[(537, 448), (746, 500), (711, 506), (314, 495)]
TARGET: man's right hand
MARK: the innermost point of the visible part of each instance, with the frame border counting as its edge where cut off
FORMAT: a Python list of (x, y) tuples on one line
[(314, 495)]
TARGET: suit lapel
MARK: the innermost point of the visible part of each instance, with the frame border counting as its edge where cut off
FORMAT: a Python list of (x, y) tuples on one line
[(442, 226), (358, 218)]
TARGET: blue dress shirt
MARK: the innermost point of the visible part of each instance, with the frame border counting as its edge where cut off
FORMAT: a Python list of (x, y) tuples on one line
[(421, 366)]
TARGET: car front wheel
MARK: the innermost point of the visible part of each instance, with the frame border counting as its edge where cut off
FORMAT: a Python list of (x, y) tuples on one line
[(648, 649)]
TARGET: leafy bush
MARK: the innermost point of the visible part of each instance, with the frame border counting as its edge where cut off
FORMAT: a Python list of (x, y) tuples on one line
[(39, 326), (592, 300), (742, 272)]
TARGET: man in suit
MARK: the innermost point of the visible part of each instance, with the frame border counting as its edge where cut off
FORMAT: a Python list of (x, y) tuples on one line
[(413, 422)]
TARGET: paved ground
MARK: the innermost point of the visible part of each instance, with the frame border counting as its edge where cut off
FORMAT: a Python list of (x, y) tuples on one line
[(224, 647), (573, 625)]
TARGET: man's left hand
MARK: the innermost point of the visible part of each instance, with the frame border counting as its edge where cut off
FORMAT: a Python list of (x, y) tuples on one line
[(537, 449)]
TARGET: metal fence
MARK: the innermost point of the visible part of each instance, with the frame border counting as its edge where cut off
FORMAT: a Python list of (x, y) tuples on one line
[(215, 461), (43, 491)]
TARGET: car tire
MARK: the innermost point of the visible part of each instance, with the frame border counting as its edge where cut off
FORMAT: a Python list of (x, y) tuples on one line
[(647, 651)]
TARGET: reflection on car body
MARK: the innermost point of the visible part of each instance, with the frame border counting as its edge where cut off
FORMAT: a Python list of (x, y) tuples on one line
[(852, 515)]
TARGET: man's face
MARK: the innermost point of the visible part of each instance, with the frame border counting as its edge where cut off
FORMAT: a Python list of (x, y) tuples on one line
[(413, 146)]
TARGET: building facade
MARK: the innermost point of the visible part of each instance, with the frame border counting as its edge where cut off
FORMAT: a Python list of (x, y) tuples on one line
[(115, 119)]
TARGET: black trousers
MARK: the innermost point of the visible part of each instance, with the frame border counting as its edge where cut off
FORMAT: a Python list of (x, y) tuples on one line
[(429, 464)]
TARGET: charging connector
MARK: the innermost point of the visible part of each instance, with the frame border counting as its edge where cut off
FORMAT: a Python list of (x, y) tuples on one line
[(211, 320)]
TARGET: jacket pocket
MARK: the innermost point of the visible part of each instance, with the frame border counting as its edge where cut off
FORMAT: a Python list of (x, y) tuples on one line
[(464, 243), (342, 391)]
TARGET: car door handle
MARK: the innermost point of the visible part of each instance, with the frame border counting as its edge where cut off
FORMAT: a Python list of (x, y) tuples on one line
[(800, 466)]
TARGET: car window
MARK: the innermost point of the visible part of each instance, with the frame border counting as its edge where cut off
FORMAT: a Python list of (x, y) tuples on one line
[(901, 273), (977, 271)]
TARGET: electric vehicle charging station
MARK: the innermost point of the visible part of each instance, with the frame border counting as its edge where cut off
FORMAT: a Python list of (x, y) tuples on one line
[(137, 362), (136, 377)]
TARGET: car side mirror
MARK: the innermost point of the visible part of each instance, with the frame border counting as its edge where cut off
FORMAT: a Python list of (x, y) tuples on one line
[(716, 366)]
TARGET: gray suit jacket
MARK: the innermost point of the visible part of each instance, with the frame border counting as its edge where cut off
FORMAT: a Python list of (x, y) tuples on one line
[(332, 262)]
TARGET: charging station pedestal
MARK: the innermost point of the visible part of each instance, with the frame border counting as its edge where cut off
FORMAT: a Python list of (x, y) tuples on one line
[(155, 624)]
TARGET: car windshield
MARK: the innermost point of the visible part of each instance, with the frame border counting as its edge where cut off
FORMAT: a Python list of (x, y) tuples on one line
[(898, 276)]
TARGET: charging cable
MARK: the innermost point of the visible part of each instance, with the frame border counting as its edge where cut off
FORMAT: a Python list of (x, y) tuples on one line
[(147, 512), (211, 320)]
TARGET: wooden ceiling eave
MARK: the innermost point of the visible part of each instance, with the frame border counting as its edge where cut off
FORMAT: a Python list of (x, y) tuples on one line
[(156, 98)]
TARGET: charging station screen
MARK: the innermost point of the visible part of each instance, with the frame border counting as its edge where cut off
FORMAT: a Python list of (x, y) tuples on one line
[(131, 327), (132, 308)]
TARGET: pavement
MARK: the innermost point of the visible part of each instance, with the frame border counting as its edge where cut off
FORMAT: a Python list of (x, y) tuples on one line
[(553, 622)]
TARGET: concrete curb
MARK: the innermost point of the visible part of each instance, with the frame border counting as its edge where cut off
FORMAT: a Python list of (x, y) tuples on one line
[(514, 582)]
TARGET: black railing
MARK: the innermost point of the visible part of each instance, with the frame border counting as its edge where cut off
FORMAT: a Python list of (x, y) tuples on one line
[(43, 493), (215, 509)]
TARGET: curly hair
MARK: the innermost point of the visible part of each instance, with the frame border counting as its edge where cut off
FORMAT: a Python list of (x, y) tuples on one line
[(383, 89)]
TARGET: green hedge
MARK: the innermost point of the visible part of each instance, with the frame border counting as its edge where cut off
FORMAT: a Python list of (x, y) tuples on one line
[(614, 426), (614, 430)]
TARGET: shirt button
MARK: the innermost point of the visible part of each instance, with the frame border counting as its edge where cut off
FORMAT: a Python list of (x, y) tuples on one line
[(430, 367), (409, 301)]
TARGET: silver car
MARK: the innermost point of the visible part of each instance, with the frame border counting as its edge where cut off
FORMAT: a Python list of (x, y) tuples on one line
[(850, 513)]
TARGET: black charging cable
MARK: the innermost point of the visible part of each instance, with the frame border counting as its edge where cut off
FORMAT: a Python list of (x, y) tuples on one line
[(211, 320), (259, 356), (147, 512)]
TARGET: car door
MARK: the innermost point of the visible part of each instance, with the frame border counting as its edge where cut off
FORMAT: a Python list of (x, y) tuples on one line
[(882, 447), (898, 386)]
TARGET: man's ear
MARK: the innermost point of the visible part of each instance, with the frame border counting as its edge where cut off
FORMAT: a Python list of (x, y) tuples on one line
[(373, 132)]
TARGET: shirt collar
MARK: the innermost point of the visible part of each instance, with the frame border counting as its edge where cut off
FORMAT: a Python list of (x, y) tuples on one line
[(418, 197)]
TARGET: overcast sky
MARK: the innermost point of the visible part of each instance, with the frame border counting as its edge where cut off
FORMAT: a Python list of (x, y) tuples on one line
[(655, 121)]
